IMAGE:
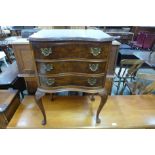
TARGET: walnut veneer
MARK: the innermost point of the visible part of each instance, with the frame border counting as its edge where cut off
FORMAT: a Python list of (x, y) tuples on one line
[(71, 60), (24, 58)]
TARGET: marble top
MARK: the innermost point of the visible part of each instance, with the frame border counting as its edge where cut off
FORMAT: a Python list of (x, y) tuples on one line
[(71, 35)]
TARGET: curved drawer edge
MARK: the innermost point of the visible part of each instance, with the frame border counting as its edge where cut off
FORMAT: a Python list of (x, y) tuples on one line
[(72, 88), (72, 60), (72, 74)]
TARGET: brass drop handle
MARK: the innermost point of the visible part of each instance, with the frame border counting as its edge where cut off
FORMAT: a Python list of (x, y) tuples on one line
[(95, 51), (92, 81), (46, 51), (50, 81), (93, 67)]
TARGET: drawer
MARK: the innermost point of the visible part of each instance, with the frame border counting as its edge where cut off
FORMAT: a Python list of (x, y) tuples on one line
[(71, 50), (49, 82), (71, 67)]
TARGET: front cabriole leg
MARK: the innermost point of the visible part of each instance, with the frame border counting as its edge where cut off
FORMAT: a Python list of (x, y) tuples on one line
[(104, 97), (38, 99)]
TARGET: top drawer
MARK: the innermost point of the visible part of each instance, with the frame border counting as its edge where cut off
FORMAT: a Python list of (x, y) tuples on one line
[(50, 50)]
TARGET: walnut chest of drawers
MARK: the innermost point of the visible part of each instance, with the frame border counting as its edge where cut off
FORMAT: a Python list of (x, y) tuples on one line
[(71, 60)]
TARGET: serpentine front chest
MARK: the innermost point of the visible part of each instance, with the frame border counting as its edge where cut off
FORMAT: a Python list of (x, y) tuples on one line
[(71, 60)]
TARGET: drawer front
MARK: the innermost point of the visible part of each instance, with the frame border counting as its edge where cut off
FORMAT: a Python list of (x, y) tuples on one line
[(49, 82), (71, 66), (85, 50)]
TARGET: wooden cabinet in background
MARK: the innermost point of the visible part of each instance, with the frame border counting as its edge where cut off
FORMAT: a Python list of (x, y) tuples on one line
[(24, 59), (112, 65), (9, 102), (23, 55)]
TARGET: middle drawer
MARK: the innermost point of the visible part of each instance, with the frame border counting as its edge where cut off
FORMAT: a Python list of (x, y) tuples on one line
[(71, 67)]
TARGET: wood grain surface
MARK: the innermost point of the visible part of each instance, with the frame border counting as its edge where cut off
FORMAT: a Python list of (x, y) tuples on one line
[(79, 112)]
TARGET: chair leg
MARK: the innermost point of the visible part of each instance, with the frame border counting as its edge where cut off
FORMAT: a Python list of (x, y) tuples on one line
[(122, 90), (119, 83)]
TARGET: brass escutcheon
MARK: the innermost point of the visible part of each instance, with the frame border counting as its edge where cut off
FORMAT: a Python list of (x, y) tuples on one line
[(95, 51), (93, 67), (92, 81), (46, 51), (50, 82)]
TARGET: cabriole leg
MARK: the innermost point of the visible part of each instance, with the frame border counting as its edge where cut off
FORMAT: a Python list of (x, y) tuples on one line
[(104, 97), (38, 98)]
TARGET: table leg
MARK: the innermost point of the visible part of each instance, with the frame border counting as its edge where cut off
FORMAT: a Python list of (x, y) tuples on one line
[(38, 98)]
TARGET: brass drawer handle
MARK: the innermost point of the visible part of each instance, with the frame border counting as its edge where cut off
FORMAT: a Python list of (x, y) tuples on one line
[(93, 67), (92, 81), (50, 82), (46, 51), (47, 67), (95, 51)]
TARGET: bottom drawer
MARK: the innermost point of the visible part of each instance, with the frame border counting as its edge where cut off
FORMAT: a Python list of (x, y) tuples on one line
[(49, 82)]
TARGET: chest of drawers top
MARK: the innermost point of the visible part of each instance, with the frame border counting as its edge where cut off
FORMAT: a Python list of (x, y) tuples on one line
[(71, 35)]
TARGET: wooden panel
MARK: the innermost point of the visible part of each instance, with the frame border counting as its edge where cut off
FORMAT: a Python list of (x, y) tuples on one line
[(71, 80), (108, 85), (73, 50), (6, 96), (113, 59), (10, 100), (24, 58), (71, 66), (12, 108), (31, 84)]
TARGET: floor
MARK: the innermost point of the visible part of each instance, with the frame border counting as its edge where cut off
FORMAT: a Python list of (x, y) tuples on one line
[(79, 112)]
